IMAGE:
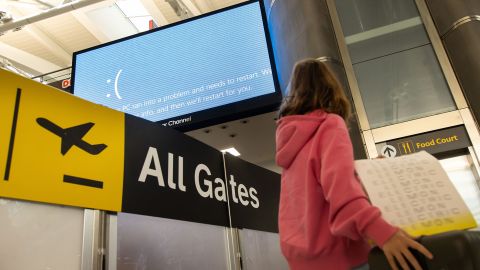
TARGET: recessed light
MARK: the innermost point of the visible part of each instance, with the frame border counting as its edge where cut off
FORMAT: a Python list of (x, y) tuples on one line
[(232, 151)]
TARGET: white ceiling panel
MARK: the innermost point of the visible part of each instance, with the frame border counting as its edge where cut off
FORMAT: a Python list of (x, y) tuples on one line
[(35, 63), (23, 41), (253, 137), (167, 11), (217, 4), (68, 32)]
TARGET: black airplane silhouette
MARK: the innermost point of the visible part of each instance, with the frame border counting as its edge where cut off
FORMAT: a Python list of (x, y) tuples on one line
[(72, 136)]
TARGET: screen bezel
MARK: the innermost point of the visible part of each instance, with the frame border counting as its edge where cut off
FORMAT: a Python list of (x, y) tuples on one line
[(228, 112)]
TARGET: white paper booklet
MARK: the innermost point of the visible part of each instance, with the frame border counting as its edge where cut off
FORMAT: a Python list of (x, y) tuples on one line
[(414, 193)]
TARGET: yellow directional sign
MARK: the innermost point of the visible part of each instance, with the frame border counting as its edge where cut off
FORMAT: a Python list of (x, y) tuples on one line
[(406, 147), (57, 148)]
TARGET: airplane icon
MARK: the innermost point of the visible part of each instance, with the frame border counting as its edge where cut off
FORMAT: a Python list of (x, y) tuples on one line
[(72, 136)]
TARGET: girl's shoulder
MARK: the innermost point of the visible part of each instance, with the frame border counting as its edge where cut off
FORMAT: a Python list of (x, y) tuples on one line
[(333, 120)]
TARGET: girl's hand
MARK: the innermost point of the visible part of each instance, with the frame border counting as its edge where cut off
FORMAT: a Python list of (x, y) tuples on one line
[(396, 249)]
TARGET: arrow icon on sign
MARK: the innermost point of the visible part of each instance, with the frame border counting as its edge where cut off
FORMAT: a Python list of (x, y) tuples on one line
[(389, 151)]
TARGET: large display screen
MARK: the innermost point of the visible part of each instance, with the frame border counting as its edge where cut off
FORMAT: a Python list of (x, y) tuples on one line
[(218, 66)]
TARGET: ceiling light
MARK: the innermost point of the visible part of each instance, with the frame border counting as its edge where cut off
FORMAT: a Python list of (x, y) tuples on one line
[(232, 151)]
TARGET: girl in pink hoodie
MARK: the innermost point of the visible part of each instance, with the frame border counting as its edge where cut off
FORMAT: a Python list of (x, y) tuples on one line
[(325, 217)]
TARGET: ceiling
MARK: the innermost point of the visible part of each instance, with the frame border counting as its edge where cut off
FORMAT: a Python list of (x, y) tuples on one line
[(47, 45), (253, 137)]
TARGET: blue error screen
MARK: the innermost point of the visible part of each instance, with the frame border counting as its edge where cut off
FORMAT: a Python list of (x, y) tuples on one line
[(215, 60)]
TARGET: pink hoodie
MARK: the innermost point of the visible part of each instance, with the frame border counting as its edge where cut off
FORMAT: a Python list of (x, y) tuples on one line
[(324, 216)]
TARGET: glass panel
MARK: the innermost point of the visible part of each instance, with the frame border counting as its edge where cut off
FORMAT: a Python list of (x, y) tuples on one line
[(373, 29), (261, 250), (40, 236), (460, 171), (396, 68), (373, 44), (363, 15), (402, 87), (157, 243)]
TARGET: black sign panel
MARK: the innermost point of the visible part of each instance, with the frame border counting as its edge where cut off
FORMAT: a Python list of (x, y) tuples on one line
[(435, 142), (61, 85), (254, 194), (168, 174)]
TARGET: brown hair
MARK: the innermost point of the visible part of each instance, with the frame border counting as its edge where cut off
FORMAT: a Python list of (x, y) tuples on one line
[(312, 87)]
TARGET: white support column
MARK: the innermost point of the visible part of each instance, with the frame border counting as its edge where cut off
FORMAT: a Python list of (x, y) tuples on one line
[(93, 240), (370, 144), (472, 130), (111, 242)]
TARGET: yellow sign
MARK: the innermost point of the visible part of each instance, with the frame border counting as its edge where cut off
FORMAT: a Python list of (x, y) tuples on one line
[(437, 141), (406, 147), (57, 148)]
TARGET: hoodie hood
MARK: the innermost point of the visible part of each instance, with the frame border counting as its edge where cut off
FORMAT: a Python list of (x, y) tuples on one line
[(293, 132)]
